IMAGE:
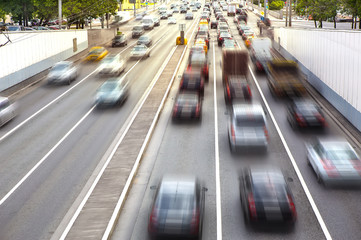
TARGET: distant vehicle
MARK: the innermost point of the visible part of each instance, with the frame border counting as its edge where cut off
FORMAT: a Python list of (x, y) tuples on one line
[(62, 72), (147, 22), (284, 78), (29, 29), (236, 90), (189, 16), (8, 110), (260, 53), (96, 54), (137, 31), (178, 208), (120, 40), (183, 10), (156, 21), (172, 20), (335, 162), (164, 16), (229, 44), (305, 114), (198, 60), (145, 40), (247, 127), (16, 28), (140, 51), (214, 24), (40, 28), (266, 197), (247, 34), (111, 65), (138, 16), (112, 92), (175, 10), (223, 36), (231, 11), (187, 105)]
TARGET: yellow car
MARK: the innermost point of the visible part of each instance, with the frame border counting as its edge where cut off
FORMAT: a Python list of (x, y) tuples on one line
[(201, 42), (96, 54), (203, 21)]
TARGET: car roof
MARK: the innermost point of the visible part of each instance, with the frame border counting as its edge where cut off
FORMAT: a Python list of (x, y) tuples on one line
[(247, 109), (175, 184)]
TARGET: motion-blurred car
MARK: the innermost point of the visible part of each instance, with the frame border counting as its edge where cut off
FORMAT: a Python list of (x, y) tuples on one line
[(15, 28), (266, 197), (183, 10), (214, 24), (178, 208), (156, 21), (120, 40), (39, 28), (137, 31), (164, 16), (96, 54), (247, 34), (138, 16), (223, 36), (172, 20), (334, 161), (229, 44), (148, 22), (111, 65), (192, 80), (145, 40), (176, 10), (8, 110), (112, 92), (305, 114), (189, 16), (237, 89), (247, 127), (170, 13), (62, 72), (140, 51), (198, 60), (194, 9), (187, 105)]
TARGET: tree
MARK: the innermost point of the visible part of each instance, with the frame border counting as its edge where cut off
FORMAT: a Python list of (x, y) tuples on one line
[(20, 10), (276, 5), (46, 9)]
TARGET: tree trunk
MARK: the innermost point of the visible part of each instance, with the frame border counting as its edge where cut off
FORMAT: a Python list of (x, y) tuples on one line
[(107, 16), (334, 22), (315, 23), (353, 17), (359, 23), (102, 21)]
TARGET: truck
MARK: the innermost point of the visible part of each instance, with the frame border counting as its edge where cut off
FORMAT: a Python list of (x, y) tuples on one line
[(284, 78), (235, 75), (260, 53)]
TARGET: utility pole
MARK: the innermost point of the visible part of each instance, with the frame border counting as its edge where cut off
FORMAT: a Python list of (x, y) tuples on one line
[(135, 11), (265, 8), (288, 2), (290, 8), (60, 12)]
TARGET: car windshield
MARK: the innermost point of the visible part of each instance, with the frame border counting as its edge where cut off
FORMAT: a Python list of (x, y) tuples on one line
[(108, 86), (139, 48), (143, 38), (229, 43), (109, 60), (137, 28), (187, 99), (338, 155), (96, 51), (60, 67), (225, 35), (249, 119)]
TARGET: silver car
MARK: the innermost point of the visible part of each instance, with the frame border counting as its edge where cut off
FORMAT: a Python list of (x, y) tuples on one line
[(8, 110), (140, 51), (113, 92), (62, 72), (247, 127), (334, 162), (111, 65)]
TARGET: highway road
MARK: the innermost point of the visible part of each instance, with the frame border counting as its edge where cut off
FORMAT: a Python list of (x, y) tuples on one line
[(55, 145)]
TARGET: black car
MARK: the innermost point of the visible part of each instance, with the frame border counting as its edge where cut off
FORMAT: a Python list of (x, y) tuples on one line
[(120, 40), (305, 114), (187, 105), (192, 80), (266, 197), (237, 89), (222, 36), (214, 24), (178, 208), (137, 31)]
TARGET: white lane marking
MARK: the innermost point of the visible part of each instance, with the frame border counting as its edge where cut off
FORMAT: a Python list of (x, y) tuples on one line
[(297, 170), (45, 157), (216, 147)]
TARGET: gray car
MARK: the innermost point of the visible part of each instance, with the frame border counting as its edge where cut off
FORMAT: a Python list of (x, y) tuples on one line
[(247, 127), (146, 40), (8, 110), (62, 72), (137, 31), (335, 162), (113, 92)]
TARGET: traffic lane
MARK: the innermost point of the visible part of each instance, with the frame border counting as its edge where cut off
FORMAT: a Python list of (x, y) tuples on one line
[(145, 80), (182, 148), (306, 226), (330, 201)]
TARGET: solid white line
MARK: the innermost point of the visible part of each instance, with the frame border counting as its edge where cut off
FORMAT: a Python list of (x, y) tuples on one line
[(216, 147), (44, 158), (298, 172)]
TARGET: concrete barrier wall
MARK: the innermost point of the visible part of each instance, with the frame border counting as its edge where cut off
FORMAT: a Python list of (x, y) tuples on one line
[(30, 53), (331, 60), (100, 36)]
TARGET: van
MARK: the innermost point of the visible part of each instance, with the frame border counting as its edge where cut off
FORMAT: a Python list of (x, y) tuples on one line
[(231, 10), (148, 22)]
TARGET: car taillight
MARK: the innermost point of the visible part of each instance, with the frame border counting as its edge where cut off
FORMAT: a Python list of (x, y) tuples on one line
[(300, 120), (329, 168), (249, 91), (220, 39), (198, 109), (153, 220), (228, 93), (266, 132), (195, 221), (175, 109), (292, 206), (320, 118), (356, 165), (233, 133), (252, 207)]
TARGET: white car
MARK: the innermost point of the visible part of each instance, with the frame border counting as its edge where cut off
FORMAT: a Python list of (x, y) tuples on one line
[(172, 20), (8, 110), (111, 65), (140, 51), (62, 72)]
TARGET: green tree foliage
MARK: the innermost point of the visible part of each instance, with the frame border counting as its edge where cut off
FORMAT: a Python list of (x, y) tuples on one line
[(20, 10), (46, 9), (276, 5)]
